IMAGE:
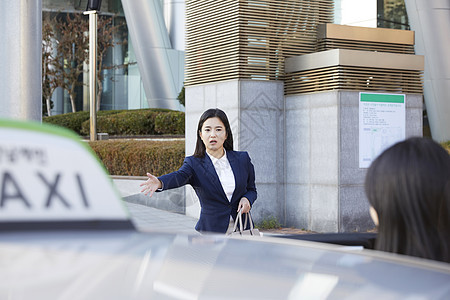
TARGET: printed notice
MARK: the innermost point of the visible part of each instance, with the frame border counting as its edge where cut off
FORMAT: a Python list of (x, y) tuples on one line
[(381, 124)]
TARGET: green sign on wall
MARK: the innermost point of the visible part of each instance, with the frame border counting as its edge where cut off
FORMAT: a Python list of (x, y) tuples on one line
[(381, 124)]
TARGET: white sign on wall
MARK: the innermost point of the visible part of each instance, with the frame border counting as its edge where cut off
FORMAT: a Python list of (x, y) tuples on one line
[(381, 124)]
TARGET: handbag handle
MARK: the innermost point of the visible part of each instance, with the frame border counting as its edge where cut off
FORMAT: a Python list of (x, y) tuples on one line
[(243, 225)]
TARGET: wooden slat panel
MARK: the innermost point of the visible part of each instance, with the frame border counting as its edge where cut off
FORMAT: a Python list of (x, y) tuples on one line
[(354, 78), (249, 39), (327, 44)]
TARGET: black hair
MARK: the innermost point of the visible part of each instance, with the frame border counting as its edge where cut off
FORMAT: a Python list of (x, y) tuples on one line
[(409, 187), (200, 148)]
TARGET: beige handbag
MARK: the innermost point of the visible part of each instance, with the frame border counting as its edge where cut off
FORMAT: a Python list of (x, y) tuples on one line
[(239, 226)]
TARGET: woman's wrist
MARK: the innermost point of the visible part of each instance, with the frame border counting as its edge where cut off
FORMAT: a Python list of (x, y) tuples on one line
[(160, 185)]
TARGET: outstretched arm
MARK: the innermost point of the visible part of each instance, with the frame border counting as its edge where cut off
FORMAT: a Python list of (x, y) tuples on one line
[(168, 181), (151, 185)]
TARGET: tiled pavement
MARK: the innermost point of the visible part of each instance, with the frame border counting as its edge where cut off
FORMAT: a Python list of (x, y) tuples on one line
[(149, 218)]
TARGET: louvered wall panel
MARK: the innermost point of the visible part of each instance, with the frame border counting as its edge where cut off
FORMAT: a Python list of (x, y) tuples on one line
[(354, 78), (249, 39), (327, 44), (334, 36)]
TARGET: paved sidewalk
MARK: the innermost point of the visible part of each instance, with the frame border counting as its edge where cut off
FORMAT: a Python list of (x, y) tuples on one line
[(149, 218)]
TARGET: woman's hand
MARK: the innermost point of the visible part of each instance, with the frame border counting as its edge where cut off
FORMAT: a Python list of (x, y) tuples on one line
[(151, 185), (244, 204)]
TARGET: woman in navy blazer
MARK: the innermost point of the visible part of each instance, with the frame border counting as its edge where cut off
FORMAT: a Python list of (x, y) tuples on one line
[(220, 196)]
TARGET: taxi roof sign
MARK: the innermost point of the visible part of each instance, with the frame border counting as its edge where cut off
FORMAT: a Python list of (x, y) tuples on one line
[(50, 179)]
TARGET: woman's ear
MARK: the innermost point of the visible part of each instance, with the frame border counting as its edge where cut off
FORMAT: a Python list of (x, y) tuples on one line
[(374, 215)]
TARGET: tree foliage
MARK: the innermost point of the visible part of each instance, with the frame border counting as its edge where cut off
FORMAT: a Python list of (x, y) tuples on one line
[(392, 14), (105, 40), (49, 82), (181, 97), (65, 42), (397, 16), (72, 50)]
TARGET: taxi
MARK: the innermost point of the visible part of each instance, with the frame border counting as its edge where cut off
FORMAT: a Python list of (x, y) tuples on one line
[(65, 233)]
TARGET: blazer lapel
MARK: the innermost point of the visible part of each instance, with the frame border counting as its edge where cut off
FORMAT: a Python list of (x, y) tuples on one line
[(210, 172), (236, 167)]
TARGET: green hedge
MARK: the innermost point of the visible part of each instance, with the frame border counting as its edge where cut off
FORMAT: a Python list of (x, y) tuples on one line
[(124, 122), (74, 121), (446, 145), (137, 157), (170, 123), (71, 121)]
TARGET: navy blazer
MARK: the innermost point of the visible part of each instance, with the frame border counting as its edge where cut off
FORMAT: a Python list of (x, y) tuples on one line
[(201, 175)]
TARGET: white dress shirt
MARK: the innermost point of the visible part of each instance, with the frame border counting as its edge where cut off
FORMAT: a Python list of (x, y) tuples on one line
[(225, 173)]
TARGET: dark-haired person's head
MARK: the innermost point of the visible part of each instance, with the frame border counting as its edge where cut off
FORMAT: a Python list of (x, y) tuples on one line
[(200, 148), (408, 187)]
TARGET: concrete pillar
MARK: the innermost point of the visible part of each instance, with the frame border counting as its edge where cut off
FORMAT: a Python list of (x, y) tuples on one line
[(160, 66), (21, 60), (324, 184), (431, 22), (174, 17)]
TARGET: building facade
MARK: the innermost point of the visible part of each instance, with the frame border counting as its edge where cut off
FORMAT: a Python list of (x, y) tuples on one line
[(145, 69), (152, 59)]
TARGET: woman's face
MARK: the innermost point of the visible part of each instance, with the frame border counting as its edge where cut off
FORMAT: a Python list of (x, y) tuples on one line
[(213, 135)]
